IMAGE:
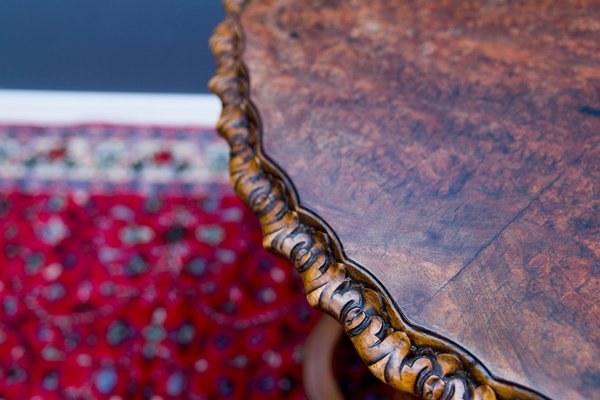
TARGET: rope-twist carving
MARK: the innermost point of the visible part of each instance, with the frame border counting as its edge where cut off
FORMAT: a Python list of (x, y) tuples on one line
[(388, 351)]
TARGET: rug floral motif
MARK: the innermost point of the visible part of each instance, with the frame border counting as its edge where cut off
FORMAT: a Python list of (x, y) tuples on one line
[(129, 270)]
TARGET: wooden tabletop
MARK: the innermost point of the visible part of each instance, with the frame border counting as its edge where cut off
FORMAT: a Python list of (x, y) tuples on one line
[(432, 169)]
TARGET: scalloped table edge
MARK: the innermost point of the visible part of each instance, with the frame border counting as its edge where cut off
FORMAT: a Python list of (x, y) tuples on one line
[(396, 352)]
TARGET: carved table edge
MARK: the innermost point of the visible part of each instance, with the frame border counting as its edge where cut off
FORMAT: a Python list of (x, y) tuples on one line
[(397, 353)]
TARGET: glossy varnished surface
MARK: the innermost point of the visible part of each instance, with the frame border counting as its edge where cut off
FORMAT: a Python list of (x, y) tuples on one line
[(454, 150)]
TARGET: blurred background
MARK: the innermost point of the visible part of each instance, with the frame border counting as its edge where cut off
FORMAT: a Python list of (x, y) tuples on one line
[(108, 45)]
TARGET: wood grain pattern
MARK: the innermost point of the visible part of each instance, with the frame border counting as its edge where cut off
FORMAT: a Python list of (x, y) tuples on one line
[(453, 149)]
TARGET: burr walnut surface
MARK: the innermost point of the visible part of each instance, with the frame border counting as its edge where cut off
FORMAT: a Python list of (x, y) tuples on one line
[(453, 149)]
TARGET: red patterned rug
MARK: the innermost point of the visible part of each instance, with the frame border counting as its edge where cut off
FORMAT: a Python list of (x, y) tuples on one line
[(129, 270)]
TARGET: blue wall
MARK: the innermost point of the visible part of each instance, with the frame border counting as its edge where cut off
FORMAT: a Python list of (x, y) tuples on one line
[(108, 45)]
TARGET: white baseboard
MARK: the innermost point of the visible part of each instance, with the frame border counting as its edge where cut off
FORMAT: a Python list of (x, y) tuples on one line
[(33, 107)]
